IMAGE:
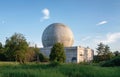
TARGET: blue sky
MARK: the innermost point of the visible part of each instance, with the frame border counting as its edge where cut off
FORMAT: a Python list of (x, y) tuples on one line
[(92, 21)]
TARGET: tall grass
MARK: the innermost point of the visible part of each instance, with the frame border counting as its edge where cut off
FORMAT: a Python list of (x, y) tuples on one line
[(64, 70)]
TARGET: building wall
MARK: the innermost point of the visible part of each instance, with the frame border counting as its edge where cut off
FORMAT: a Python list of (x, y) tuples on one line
[(73, 54), (45, 51), (80, 54)]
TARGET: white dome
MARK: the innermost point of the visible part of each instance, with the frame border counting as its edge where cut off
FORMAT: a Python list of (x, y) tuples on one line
[(55, 33)]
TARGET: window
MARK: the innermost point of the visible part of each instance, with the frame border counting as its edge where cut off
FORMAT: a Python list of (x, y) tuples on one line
[(81, 54), (74, 59)]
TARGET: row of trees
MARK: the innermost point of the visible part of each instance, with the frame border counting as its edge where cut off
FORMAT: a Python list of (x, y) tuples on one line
[(16, 48), (106, 57), (104, 53)]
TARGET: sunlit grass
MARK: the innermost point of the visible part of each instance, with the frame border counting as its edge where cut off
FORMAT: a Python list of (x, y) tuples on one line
[(14, 69)]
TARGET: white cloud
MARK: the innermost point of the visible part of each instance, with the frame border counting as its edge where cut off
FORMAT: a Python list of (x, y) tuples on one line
[(109, 38), (102, 22), (46, 14), (86, 38)]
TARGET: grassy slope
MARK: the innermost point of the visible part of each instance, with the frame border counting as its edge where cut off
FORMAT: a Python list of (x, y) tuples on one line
[(65, 70)]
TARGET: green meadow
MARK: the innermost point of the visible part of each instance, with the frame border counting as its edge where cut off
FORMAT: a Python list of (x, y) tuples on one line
[(14, 69)]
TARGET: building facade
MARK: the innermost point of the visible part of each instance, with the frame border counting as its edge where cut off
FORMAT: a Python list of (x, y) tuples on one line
[(74, 54)]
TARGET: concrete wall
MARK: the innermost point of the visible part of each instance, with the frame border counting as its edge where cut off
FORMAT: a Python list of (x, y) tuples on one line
[(45, 51), (73, 54), (80, 54)]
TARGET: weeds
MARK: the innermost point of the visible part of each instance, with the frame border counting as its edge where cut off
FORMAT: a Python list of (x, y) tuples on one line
[(62, 70)]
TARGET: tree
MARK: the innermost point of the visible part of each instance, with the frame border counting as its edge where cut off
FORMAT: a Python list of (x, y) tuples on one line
[(100, 49), (107, 53), (103, 53), (2, 53), (1, 47), (16, 47), (30, 54), (39, 57), (106, 50), (43, 58), (117, 53), (37, 51), (57, 53)]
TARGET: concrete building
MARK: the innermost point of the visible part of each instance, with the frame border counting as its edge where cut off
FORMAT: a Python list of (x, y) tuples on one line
[(58, 32), (74, 54)]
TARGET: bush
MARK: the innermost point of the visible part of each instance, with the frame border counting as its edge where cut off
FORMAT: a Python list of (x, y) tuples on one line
[(57, 53), (54, 64), (113, 62), (43, 58), (3, 57)]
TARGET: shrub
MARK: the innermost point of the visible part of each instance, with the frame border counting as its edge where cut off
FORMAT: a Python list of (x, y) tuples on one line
[(113, 62), (54, 64), (43, 58), (57, 53)]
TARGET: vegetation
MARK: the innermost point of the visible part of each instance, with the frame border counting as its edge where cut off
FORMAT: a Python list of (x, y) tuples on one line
[(117, 53), (64, 70), (113, 62), (100, 49), (57, 53), (2, 53), (43, 58), (16, 48), (103, 53)]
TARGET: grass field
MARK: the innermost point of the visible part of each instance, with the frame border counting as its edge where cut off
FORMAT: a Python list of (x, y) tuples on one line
[(12, 69)]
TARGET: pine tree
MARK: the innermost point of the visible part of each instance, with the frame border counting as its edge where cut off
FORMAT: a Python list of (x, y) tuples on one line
[(57, 53), (103, 52), (100, 49)]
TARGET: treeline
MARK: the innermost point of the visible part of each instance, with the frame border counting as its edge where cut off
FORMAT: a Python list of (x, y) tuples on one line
[(105, 57), (104, 53), (16, 48)]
